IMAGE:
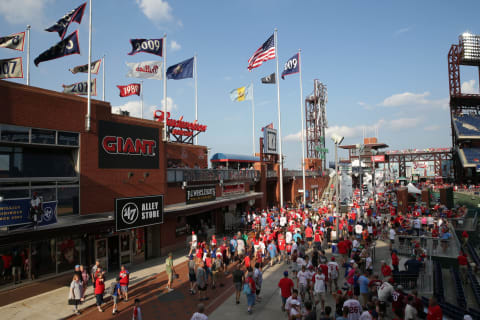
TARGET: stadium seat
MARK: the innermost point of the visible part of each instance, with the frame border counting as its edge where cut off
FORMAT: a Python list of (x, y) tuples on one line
[(467, 125), (458, 288)]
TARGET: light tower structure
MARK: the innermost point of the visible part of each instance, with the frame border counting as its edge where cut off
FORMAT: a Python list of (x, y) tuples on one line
[(316, 124)]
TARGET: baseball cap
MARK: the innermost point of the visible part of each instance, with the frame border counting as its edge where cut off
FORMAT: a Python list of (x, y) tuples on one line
[(333, 258), (77, 266), (285, 273), (339, 292)]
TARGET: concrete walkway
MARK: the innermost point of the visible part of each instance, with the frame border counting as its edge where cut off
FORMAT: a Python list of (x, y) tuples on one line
[(53, 304)]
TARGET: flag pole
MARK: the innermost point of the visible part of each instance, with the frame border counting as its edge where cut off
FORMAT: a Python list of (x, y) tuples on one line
[(28, 54), (165, 87), (196, 90), (279, 122), (303, 130), (253, 120), (103, 78), (89, 84), (141, 96)]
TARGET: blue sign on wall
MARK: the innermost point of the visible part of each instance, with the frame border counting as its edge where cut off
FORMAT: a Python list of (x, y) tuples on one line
[(17, 212)]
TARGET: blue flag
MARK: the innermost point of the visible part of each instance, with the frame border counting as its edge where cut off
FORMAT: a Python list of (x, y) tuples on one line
[(181, 70), (62, 24), (153, 46), (66, 47), (292, 66)]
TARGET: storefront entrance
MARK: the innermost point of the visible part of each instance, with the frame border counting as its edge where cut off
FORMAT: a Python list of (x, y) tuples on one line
[(113, 254), (114, 251)]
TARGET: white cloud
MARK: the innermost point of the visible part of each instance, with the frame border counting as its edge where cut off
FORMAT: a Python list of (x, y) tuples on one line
[(158, 11), (366, 106), (402, 123), (402, 30), (135, 108), (413, 99), (175, 46), (293, 137), (23, 11), (469, 87)]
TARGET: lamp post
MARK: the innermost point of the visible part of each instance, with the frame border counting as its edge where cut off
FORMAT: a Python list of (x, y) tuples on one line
[(374, 181), (360, 148), (337, 139)]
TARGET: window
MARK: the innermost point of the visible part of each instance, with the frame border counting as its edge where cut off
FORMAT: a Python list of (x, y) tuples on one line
[(15, 194), (14, 133), (68, 138), (43, 136), (67, 200)]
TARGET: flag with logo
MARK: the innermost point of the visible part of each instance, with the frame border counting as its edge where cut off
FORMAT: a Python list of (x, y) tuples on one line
[(242, 93), (269, 78), (11, 68), (62, 24), (292, 66), (66, 47), (94, 67), (153, 46), (14, 41), (81, 88), (145, 70), (264, 53), (268, 126), (129, 89), (181, 70)]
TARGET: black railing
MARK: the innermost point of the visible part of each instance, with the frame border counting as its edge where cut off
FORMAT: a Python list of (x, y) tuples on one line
[(211, 175)]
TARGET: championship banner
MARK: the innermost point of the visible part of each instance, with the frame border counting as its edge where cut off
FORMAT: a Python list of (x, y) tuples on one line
[(153, 46), (66, 47), (61, 25), (14, 41), (291, 67), (145, 70), (81, 88), (11, 68), (17, 212), (130, 89), (95, 66)]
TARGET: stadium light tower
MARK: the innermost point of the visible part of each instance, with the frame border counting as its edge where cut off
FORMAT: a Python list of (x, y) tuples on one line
[(337, 140)]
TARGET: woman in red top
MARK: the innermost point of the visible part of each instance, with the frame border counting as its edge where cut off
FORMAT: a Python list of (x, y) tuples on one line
[(434, 310), (99, 290), (395, 261)]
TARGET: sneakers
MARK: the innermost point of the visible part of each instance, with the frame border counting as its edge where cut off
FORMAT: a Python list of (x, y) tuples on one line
[(170, 290)]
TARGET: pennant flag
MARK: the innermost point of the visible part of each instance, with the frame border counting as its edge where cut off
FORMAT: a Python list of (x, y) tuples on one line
[(130, 89), (292, 66), (14, 41), (269, 79), (145, 70), (94, 66), (181, 70), (61, 25), (11, 68), (153, 46), (81, 88), (241, 94), (66, 47), (268, 126), (264, 53)]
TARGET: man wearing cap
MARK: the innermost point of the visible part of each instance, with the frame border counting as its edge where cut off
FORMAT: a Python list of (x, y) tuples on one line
[(286, 285)]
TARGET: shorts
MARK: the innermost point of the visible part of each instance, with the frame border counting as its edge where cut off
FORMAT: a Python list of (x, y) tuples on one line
[(204, 288), (170, 276), (215, 275), (238, 286), (284, 300), (16, 270), (99, 298), (115, 299), (309, 239), (302, 288), (124, 289), (192, 277), (257, 291), (320, 295), (392, 241)]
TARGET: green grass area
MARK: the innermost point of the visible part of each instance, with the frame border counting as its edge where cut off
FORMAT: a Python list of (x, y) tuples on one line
[(471, 201)]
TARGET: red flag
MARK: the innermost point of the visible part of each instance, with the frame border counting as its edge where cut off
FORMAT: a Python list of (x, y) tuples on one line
[(130, 89)]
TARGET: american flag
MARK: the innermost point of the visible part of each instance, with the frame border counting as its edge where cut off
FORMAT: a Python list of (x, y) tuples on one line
[(264, 53)]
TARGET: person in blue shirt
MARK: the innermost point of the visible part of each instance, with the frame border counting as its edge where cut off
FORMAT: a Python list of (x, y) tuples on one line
[(233, 245), (115, 287), (297, 236), (363, 282), (272, 250)]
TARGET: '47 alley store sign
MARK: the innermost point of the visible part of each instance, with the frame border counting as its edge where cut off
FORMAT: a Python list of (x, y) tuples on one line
[(181, 131)]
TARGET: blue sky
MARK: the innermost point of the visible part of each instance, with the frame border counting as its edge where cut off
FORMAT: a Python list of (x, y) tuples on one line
[(384, 62)]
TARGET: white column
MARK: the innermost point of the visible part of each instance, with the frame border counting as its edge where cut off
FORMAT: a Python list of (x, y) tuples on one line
[(28, 54), (89, 79), (303, 130), (277, 78), (165, 87)]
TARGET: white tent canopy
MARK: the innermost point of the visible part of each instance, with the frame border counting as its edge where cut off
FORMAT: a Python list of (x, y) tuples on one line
[(413, 189)]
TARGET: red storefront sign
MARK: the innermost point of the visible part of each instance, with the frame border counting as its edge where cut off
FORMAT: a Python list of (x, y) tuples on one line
[(180, 127), (233, 189), (379, 158)]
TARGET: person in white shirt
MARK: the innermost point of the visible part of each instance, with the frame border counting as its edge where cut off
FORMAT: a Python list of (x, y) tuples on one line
[(354, 309), (288, 237), (319, 287), (332, 274), (193, 243), (417, 225), (369, 263), (283, 221), (292, 300), (358, 229), (199, 315), (302, 281), (295, 310), (391, 236), (410, 310), (385, 291)]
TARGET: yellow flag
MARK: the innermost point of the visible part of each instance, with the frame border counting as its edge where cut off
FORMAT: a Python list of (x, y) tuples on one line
[(241, 94)]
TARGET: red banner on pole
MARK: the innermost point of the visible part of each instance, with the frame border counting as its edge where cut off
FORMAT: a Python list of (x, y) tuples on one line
[(130, 89)]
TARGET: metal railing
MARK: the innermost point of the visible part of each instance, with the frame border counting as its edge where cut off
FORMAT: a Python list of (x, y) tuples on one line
[(205, 175), (272, 174), (299, 173)]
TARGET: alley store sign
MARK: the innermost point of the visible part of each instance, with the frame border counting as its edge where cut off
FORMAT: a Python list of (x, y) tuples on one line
[(127, 146), (200, 194), (179, 130), (138, 212)]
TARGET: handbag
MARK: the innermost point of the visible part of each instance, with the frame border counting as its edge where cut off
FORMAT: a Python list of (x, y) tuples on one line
[(72, 302)]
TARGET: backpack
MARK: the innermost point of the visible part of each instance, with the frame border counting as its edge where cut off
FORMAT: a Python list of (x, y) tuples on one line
[(246, 288)]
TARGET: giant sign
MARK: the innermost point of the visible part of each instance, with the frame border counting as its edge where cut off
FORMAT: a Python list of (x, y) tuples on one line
[(198, 194), (138, 212), (126, 146), (17, 212)]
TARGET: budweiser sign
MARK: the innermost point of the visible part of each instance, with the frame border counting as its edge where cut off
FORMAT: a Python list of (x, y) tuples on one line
[(121, 145), (180, 127)]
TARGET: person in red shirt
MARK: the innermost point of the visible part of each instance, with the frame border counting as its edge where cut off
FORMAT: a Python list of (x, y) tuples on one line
[(386, 270), (434, 310), (253, 289), (124, 280), (463, 265), (246, 261), (399, 302), (99, 290), (309, 236), (464, 238), (286, 285), (317, 239), (395, 261), (343, 250)]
